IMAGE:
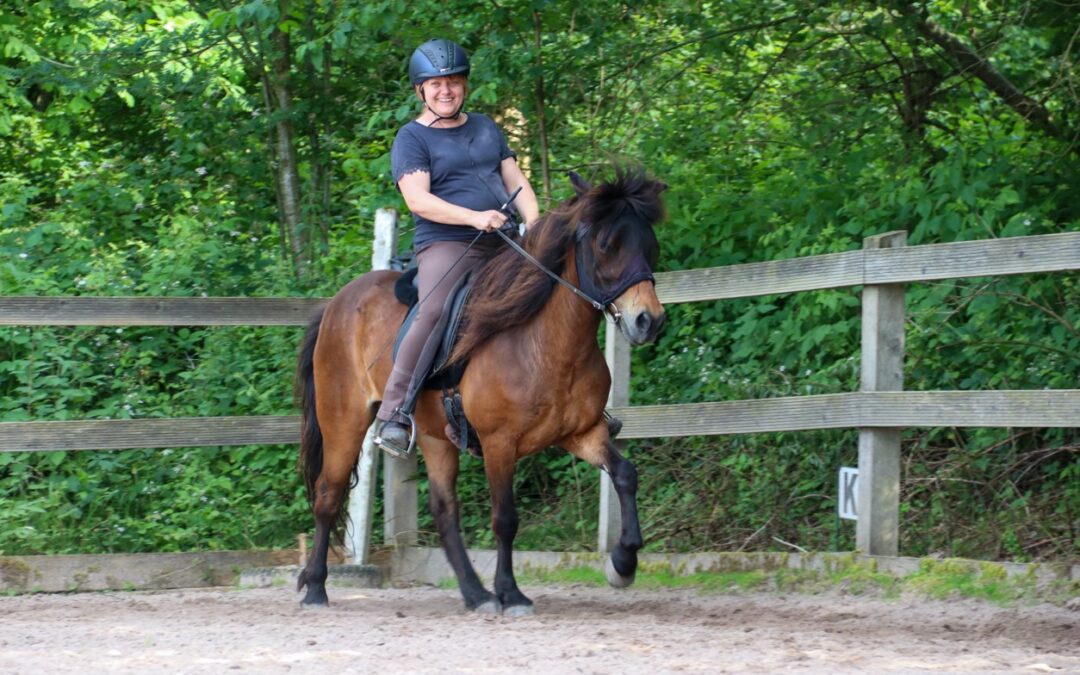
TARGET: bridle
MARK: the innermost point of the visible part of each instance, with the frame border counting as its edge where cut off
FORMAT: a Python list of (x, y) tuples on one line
[(602, 300)]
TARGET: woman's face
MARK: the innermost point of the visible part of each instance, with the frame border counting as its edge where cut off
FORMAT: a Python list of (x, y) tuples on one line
[(444, 95)]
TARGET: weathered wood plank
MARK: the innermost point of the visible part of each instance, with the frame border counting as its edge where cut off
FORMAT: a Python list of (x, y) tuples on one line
[(358, 534), (142, 571), (835, 270), (87, 311), (148, 433), (829, 411), (1041, 408), (994, 257), (1016, 408), (1015, 255), (617, 355)]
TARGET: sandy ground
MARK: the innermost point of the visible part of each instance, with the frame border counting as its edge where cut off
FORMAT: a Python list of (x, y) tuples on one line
[(576, 630)]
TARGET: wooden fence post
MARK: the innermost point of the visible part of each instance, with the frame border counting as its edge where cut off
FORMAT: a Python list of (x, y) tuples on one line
[(877, 530), (617, 353), (401, 500), (362, 499), (400, 495)]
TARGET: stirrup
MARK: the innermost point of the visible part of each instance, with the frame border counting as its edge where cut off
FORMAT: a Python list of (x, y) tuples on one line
[(390, 449)]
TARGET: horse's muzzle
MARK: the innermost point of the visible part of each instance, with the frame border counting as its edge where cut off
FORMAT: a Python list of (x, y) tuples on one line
[(643, 327)]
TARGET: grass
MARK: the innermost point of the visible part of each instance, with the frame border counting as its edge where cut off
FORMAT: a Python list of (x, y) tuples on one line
[(938, 579), (951, 578)]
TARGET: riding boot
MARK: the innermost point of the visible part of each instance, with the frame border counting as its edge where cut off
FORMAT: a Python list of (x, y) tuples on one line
[(393, 437), (614, 424)]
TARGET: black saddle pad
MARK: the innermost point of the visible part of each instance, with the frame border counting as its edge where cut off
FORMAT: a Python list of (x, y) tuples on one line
[(405, 289)]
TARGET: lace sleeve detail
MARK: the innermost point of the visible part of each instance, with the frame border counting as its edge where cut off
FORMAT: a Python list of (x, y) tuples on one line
[(408, 155), (405, 171)]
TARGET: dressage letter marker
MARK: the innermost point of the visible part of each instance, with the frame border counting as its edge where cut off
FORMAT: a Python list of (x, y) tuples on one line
[(849, 481)]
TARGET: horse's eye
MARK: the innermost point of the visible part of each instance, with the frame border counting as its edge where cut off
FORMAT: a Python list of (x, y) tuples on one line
[(607, 243)]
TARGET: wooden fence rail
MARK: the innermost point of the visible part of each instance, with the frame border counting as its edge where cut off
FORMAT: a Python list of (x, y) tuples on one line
[(879, 410), (895, 410), (931, 262), (997, 257), (89, 311)]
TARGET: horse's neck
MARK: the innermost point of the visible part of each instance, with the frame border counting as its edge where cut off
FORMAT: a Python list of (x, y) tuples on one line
[(566, 327)]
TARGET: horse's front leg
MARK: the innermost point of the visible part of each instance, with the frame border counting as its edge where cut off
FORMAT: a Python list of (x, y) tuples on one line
[(499, 464), (622, 565), (596, 448)]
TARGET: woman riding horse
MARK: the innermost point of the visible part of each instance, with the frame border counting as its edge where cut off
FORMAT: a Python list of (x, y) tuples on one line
[(535, 378), (454, 170), (535, 375)]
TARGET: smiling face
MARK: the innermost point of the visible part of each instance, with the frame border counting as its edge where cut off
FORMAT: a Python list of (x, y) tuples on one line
[(444, 95)]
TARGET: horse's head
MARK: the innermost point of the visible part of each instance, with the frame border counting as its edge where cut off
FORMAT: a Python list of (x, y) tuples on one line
[(616, 249)]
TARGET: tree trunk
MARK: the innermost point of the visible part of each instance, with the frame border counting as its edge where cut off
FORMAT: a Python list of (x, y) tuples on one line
[(288, 174), (972, 62), (317, 128)]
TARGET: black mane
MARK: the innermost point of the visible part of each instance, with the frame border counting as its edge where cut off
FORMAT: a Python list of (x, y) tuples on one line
[(509, 290)]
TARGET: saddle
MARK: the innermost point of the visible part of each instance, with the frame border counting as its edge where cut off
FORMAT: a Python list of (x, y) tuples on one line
[(432, 371)]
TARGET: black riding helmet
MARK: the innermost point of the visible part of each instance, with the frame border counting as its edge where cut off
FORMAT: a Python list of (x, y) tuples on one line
[(436, 58)]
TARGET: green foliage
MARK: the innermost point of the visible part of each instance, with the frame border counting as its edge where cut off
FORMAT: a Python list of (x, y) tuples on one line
[(140, 155), (168, 500)]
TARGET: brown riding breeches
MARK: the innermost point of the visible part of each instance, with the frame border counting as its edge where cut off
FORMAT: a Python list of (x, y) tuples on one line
[(433, 262)]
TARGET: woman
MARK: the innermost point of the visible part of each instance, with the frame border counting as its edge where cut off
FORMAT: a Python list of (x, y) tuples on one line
[(455, 170)]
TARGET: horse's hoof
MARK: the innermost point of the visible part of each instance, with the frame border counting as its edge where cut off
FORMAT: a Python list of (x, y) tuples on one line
[(489, 607), (516, 611), (614, 579), (315, 599)]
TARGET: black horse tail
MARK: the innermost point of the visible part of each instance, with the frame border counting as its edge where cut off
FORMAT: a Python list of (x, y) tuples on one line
[(311, 438)]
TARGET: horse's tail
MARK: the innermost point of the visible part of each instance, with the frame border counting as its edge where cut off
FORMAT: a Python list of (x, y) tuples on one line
[(311, 438)]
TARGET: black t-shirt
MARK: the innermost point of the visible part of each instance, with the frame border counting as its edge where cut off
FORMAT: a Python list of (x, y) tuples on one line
[(463, 163)]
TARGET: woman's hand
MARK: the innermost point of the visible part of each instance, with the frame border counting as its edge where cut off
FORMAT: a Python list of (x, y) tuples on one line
[(488, 221)]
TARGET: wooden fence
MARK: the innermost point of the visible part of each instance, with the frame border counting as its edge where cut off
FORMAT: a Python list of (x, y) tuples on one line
[(880, 410)]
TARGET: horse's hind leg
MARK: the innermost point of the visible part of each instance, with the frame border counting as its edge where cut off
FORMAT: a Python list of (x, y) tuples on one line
[(441, 460), (504, 522), (343, 435)]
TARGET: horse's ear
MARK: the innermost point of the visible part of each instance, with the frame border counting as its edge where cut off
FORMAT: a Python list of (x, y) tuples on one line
[(580, 186), (661, 186)]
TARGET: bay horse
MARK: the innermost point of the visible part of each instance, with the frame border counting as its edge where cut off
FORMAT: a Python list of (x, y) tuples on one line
[(535, 377)]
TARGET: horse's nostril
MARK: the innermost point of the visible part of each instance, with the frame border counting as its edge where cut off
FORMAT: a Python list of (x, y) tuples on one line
[(643, 321)]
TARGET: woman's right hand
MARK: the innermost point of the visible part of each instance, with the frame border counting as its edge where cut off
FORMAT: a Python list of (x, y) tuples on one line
[(488, 221)]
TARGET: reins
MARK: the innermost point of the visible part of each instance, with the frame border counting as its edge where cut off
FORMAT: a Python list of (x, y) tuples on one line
[(611, 312)]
